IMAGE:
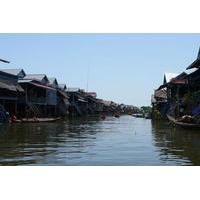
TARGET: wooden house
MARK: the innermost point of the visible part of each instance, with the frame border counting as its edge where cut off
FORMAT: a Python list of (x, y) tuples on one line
[(94, 105), (78, 102), (62, 99), (40, 98), (62, 87), (194, 75), (10, 92), (159, 101), (170, 96)]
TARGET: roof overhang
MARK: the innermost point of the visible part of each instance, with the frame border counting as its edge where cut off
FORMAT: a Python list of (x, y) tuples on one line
[(11, 87), (41, 86), (195, 64)]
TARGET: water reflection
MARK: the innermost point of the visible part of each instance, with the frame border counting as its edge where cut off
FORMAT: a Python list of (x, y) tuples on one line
[(40, 143), (176, 144), (92, 141)]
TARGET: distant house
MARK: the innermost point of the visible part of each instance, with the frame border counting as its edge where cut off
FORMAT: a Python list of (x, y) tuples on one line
[(62, 97), (78, 101), (92, 94), (42, 78), (53, 82), (62, 87), (92, 102)]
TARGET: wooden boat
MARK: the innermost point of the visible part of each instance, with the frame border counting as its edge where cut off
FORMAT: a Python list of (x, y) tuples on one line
[(147, 116), (37, 120), (138, 115), (117, 116), (182, 124), (103, 117)]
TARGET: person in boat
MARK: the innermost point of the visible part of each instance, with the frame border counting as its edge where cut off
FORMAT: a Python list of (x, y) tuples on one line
[(103, 116), (180, 109), (13, 119), (35, 119)]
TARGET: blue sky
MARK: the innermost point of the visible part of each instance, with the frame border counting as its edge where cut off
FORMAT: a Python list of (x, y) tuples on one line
[(125, 68)]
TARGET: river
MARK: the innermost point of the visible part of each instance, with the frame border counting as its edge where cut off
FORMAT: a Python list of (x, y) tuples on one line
[(124, 141)]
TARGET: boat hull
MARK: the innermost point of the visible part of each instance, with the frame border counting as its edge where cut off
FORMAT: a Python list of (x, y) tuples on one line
[(37, 120), (182, 124)]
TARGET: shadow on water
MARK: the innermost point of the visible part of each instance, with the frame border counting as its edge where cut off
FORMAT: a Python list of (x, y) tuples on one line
[(177, 144)]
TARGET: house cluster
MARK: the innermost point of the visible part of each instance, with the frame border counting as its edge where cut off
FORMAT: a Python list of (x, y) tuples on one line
[(179, 95), (39, 96)]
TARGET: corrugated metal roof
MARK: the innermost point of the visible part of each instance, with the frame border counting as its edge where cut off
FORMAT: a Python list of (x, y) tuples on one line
[(7, 86), (190, 71), (24, 81), (12, 71), (73, 89), (39, 77), (35, 84), (11, 86), (42, 86), (195, 64)]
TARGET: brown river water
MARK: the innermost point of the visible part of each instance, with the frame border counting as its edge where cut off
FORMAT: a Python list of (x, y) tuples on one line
[(124, 141)]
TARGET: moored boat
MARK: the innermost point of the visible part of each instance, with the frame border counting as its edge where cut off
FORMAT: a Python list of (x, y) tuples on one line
[(117, 116), (37, 120), (182, 124), (138, 115)]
